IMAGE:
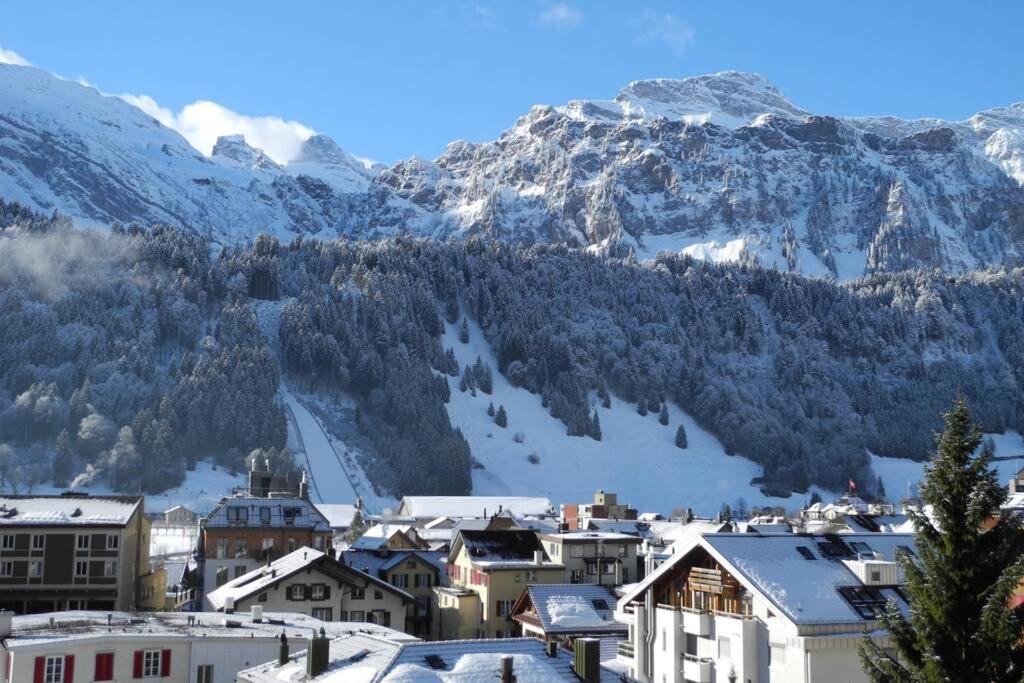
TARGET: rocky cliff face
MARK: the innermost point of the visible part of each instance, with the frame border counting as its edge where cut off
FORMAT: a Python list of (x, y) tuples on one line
[(721, 167)]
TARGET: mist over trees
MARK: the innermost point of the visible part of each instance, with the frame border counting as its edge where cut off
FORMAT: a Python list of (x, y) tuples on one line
[(141, 345)]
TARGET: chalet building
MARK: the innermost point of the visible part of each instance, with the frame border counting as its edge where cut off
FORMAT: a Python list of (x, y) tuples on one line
[(246, 530), (487, 572), (600, 557), (417, 572), (761, 607), (561, 612), (605, 506), (179, 515), (172, 647), (386, 536), (76, 551), (313, 583)]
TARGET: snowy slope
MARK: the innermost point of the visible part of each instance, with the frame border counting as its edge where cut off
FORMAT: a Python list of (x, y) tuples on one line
[(901, 476), (637, 457)]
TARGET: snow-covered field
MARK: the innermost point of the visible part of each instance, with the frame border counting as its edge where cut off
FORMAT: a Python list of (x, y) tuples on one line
[(636, 458), (201, 491), (901, 476)]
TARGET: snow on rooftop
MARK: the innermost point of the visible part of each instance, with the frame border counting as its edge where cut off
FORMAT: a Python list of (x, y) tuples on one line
[(263, 577), (339, 516), (65, 510), (574, 608), (473, 506)]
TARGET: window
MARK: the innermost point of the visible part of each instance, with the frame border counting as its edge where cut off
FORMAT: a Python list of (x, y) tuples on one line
[(35, 569), (503, 608), (222, 576), (577, 576), (322, 613), (607, 566), (806, 552), (575, 551), (724, 648), (265, 516), (151, 663), (241, 548), (531, 574), (81, 568), (239, 570), (110, 568), (8, 542), (592, 568), (222, 548), (204, 673), (291, 545), (400, 580), (298, 592), (38, 541), (691, 644), (316, 592), (776, 654), (866, 602), (358, 594), (381, 617), (83, 542), (113, 541), (378, 595), (290, 514), (357, 615), (422, 604), (267, 543), (599, 604), (876, 576), (54, 671), (423, 581), (104, 666), (7, 568), (238, 516), (623, 550), (262, 598)]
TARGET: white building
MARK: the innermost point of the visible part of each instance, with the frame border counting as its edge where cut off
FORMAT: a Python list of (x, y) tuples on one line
[(767, 607), (601, 557), (170, 647), (426, 508), (310, 582)]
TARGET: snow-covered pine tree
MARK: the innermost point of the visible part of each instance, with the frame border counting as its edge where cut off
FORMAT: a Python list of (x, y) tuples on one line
[(961, 626), (681, 437), (490, 409), (500, 418), (595, 427), (464, 331), (663, 415)]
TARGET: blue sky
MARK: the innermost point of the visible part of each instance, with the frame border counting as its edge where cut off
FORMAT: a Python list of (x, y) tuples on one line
[(392, 79)]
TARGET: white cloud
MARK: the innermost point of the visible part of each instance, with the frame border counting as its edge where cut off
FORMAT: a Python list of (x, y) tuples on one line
[(561, 15), (202, 122), (671, 31), (12, 57)]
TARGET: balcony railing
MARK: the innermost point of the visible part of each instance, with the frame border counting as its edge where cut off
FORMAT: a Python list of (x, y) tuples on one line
[(625, 649), (696, 669)]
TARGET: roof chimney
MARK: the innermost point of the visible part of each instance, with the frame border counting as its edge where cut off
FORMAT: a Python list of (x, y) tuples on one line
[(229, 605), (506, 669), (282, 655), (317, 655), (6, 623), (304, 486), (587, 661)]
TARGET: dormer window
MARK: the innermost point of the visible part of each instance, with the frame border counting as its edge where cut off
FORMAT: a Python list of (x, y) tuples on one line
[(238, 516)]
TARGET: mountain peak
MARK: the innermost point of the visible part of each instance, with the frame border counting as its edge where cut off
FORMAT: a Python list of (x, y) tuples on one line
[(321, 157), (233, 150)]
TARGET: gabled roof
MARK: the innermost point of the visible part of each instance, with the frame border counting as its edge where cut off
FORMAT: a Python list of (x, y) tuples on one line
[(431, 507), (803, 589), (306, 516), (378, 536), (570, 608), (265, 577), (339, 516), (67, 510), (376, 563)]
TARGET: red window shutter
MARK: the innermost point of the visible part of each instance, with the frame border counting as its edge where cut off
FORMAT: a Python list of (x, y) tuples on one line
[(104, 667), (39, 670), (137, 667), (165, 663), (69, 669)]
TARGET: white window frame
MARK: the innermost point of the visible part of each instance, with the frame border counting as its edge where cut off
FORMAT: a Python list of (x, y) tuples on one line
[(84, 566), (113, 542), (204, 673), (38, 541), (298, 591), (53, 672), (151, 663), (316, 591), (82, 542), (321, 612), (6, 568), (8, 542), (110, 568), (35, 569)]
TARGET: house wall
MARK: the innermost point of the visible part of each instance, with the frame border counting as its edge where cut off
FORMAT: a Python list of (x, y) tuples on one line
[(338, 599), (561, 550), (84, 650), (458, 616), (282, 540), (419, 619)]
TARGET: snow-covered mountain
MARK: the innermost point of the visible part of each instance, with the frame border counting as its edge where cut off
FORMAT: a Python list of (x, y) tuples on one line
[(722, 166), (65, 146)]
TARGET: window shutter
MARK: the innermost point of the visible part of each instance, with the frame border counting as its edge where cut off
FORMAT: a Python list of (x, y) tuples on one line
[(497, 608), (137, 665), (327, 592), (69, 669), (165, 663), (39, 670)]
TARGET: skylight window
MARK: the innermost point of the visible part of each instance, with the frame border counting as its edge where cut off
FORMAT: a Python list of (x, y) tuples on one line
[(435, 662), (806, 552), (869, 603), (598, 603)]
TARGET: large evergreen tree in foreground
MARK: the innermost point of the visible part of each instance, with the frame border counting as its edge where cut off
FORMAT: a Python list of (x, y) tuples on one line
[(960, 626)]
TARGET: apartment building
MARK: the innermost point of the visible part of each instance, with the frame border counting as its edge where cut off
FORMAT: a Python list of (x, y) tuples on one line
[(76, 551), (604, 506), (313, 583), (243, 531), (600, 557), (169, 647), (761, 607), (487, 572), (416, 572)]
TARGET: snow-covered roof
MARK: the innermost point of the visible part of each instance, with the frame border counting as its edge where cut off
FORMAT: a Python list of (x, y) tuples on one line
[(302, 514), (32, 629), (362, 658), (500, 548), (262, 578), (74, 510), (378, 535), (592, 537), (374, 563), (339, 515), (802, 584), (578, 608), (472, 506)]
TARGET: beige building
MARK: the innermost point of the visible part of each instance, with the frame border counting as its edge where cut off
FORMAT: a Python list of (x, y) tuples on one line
[(487, 572), (417, 572), (76, 551), (601, 557), (310, 582)]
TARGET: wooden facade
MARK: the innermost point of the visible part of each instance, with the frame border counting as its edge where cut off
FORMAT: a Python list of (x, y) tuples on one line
[(699, 582)]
